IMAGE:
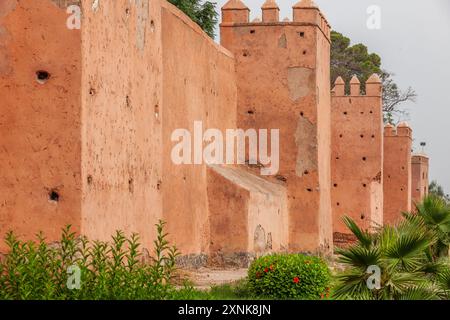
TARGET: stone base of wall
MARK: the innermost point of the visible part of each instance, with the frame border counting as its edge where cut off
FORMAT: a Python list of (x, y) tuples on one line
[(343, 239), (216, 260), (192, 261)]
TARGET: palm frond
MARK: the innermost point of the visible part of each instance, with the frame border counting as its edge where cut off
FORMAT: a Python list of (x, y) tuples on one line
[(419, 293), (364, 238)]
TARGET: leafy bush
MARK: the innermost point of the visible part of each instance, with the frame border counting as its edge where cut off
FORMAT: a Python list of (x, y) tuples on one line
[(109, 270), (289, 276)]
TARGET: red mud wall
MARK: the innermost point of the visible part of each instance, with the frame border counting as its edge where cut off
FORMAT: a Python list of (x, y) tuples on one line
[(198, 85), (40, 140), (155, 73), (357, 158), (397, 172), (98, 132), (122, 105)]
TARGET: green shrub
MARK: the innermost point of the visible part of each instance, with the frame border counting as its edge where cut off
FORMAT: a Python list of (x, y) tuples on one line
[(109, 270), (289, 276)]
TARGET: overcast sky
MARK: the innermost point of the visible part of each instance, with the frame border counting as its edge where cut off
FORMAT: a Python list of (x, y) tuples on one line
[(414, 44)]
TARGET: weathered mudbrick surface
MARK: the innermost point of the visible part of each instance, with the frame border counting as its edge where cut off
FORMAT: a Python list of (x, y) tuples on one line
[(357, 154), (87, 116)]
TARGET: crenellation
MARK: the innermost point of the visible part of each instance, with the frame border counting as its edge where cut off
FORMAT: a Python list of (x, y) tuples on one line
[(404, 130), (339, 87), (355, 86), (374, 86), (235, 11), (270, 11), (305, 13)]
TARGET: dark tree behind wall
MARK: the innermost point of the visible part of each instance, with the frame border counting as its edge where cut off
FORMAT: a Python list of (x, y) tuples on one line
[(348, 60), (201, 12)]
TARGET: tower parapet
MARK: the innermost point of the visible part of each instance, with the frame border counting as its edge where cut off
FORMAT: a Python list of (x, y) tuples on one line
[(373, 87), (305, 13)]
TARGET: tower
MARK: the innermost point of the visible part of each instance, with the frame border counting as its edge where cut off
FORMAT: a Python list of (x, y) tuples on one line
[(357, 156), (419, 178), (397, 172), (283, 81)]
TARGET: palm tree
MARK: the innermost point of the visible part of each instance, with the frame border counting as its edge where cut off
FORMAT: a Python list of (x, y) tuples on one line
[(434, 213), (402, 255)]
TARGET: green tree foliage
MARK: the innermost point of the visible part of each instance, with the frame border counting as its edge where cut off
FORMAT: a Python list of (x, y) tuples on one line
[(436, 189), (201, 12), (412, 257), (348, 60)]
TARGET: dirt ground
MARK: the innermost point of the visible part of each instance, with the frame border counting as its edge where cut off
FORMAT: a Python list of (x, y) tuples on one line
[(205, 278)]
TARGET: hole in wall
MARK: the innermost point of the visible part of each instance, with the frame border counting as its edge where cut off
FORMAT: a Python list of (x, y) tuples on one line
[(127, 12), (309, 190), (156, 111), (364, 185), (362, 112), (301, 113), (53, 195), (92, 91), (373, 136), (152, 26), (131, 185), (335, 185), (363, 216), (340, 136), (345, 113), (89, 179), (338, 204), (127, 101), (364, 158), (306, 172), (281, 178), (304, 52), (251, 112), (301, 34), (361, 135), (337, 158), (371, 112), (42, 76), (158, 185), (252, 31)]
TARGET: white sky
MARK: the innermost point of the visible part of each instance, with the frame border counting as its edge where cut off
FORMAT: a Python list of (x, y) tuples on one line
[(414, 44)]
